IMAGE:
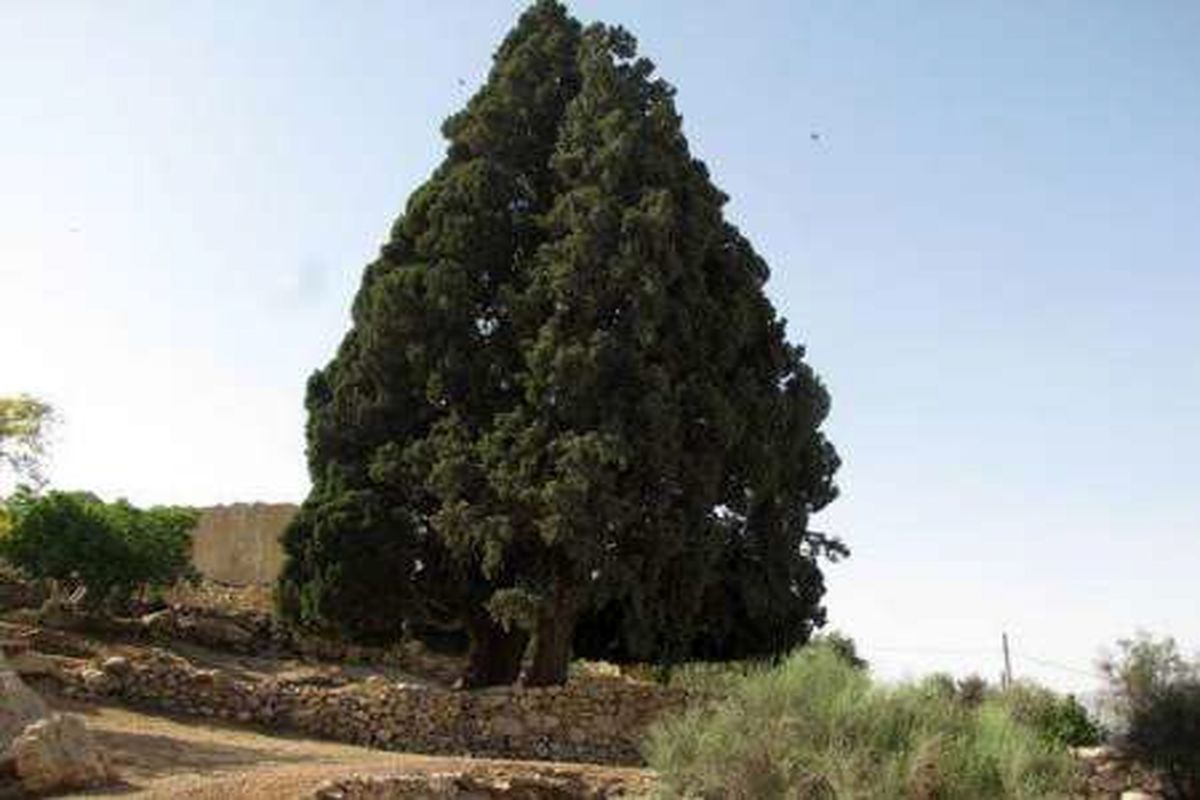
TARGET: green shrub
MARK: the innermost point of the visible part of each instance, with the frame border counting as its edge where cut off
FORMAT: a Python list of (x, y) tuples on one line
[(1156, 694), (1057, 718), (816, 727), (1165, 733), (113, 550), (973, 690)]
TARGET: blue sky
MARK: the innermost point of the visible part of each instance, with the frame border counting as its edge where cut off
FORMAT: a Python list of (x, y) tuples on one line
[(991, 251)]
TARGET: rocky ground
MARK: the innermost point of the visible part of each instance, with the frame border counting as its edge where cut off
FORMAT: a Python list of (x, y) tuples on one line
[(157, 753)]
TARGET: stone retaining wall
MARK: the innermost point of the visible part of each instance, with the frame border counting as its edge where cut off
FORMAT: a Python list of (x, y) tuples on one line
[(593, 721)]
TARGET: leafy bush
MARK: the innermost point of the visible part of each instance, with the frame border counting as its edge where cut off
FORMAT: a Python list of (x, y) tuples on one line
[(1057, 718), (1165, 732), (816, 727), (1156, 694), (113, 550), (973, 690)]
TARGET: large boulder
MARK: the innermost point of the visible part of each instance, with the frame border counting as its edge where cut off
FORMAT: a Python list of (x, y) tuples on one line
[(19, 706), (58, 752), (44, 751)]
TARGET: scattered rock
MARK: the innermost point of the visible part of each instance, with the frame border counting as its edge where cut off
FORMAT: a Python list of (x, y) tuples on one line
[(476, 785), (58, 752), (159, 624), (1099, 753), (1109, 772), (115, 665), (94, 680)]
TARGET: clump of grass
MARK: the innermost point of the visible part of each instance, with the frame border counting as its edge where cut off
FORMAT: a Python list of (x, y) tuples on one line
[(817, 727), (716, 680)]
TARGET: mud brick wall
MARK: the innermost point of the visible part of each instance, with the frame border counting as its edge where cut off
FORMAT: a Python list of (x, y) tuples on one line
[(239, 544)]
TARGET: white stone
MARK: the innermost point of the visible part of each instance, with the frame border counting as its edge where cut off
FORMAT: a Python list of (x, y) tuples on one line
[(115, 664)]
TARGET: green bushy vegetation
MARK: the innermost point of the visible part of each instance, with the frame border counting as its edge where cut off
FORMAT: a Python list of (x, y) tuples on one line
[(112, 550), (1057, 718), (818, 727), (1155, 692)]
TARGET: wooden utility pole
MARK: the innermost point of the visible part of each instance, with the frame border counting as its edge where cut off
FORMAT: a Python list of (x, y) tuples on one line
[(1006, 679)]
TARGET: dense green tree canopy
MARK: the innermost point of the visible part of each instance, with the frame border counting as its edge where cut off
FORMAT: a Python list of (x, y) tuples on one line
[(565, 412), (111, 550)]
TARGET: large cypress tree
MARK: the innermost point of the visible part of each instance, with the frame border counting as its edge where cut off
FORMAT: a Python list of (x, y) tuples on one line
[(564, 396)]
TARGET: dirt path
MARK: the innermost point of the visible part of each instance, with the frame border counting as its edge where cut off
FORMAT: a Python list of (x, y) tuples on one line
[(171, 756)]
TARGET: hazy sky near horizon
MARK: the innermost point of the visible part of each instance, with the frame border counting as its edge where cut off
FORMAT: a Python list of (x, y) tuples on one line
[(992, 251)]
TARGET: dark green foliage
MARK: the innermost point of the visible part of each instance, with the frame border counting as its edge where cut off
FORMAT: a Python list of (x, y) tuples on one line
[(114, 550), (1165, 732), (565, 409), (1156, 693)]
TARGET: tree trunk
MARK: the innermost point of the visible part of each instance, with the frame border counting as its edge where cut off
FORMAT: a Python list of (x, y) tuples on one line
[(552, 641), (494, 654)]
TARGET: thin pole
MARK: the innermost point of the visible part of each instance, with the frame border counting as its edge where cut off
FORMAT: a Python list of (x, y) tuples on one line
[(1006, 680)]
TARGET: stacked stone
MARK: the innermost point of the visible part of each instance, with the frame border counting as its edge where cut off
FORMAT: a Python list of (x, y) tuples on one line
[(599, 722), (1111, 773)]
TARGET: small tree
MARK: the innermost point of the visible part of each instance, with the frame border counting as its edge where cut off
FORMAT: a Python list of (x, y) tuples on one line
[(24, 423), (111, 550), (1155, 692)]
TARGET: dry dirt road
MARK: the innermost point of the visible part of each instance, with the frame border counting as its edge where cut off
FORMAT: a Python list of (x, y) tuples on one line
[(184, 757)]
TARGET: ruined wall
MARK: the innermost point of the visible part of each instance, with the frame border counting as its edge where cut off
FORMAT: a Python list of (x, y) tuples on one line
[(595, 722), (239, 544)]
